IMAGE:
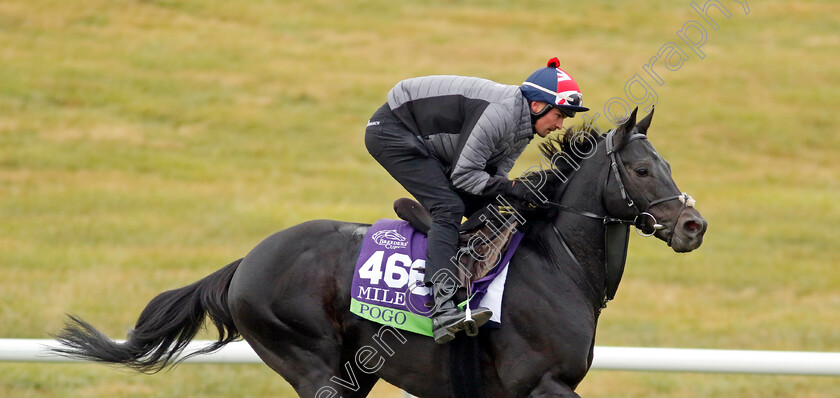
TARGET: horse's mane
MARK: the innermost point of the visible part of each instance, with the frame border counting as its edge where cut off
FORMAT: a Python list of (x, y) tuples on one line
[(582, 137), (562, 151)]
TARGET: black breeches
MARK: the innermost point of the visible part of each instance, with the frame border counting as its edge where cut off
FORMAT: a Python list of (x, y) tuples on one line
[(406, 158)]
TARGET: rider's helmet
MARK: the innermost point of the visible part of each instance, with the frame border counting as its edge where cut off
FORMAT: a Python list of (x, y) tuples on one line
[(555, 87)]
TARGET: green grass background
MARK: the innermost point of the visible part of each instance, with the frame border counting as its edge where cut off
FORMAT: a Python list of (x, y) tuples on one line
[(145, 144)]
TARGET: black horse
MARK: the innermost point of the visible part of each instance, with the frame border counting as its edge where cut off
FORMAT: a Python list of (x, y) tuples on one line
[(290, 296)]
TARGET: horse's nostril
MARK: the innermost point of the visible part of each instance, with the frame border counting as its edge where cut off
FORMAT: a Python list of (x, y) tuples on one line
[(691, 226)]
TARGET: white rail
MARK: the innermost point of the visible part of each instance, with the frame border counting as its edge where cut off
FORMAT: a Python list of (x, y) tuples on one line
[(718, 361), (608, 358), (36, 350)]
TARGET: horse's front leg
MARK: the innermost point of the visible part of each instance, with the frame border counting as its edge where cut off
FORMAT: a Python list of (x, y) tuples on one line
[(551, 386)]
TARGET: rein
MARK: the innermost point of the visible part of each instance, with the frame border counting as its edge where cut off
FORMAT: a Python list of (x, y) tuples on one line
[(617, 230)]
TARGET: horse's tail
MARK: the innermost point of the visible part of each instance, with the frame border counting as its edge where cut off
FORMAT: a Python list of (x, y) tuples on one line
[(164, 328)]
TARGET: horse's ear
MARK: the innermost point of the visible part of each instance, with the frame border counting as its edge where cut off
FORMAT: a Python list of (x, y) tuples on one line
[(627, 125), (642, 126), (624, 131)]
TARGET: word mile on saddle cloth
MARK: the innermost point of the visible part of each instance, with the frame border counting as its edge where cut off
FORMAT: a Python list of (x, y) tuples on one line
[(388, 280)]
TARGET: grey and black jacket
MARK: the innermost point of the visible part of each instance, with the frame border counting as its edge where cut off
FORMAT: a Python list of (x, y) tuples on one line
[(477, 128)]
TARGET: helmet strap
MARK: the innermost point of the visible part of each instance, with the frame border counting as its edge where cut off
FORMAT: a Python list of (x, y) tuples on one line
[(537, 115)]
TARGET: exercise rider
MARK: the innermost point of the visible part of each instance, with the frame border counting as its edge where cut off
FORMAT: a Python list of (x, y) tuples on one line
[(451, 141)]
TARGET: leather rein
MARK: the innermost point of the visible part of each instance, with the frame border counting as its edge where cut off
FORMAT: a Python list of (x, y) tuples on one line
[(616, 233)]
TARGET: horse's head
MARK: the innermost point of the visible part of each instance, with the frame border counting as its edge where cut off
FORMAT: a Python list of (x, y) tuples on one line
[(640, 185)]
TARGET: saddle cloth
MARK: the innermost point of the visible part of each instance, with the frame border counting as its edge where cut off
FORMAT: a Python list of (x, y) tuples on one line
[(388, 280)]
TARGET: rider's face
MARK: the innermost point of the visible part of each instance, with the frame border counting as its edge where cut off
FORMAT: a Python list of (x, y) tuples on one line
[(552, 120)]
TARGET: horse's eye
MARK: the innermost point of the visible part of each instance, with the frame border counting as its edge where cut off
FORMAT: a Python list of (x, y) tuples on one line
[(642, 172)]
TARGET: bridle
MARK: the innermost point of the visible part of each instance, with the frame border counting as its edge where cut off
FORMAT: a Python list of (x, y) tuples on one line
[(618, 167), (617, 229)]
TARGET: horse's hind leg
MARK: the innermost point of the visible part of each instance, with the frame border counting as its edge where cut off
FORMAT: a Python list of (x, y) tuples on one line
[(287, 299), (314, 371), (303, 348)]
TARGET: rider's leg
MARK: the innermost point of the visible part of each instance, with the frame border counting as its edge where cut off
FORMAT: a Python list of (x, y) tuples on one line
[(408, 161), (441, 272), (431, 188)]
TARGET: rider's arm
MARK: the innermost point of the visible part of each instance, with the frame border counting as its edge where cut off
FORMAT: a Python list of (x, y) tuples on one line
[(506, 164), (489, 133)]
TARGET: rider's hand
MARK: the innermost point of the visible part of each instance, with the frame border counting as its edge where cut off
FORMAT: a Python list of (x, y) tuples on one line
[(521, 191)]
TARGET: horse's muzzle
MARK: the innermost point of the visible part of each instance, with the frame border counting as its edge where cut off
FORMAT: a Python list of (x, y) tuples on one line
[(688, 231)]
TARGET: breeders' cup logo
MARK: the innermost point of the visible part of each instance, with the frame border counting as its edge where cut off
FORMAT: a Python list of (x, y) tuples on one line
[(390, 239)]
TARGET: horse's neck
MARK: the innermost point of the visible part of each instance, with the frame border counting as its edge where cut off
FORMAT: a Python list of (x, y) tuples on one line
[(584, 236)]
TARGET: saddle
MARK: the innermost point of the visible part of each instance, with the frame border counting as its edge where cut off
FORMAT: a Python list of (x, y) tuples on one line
[(484, 236)]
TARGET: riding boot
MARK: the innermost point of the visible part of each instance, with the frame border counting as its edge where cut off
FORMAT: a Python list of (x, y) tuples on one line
[(448, 319)]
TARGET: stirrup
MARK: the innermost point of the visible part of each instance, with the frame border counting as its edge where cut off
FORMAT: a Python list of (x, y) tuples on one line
[(470, 325), (448, 319), (477, 319)]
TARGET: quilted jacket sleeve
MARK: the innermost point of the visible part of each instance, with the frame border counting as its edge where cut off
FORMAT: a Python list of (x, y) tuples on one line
[(489, 133)]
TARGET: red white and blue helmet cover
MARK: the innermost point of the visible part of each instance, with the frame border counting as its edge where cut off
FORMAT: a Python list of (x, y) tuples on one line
[(554, 86)]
